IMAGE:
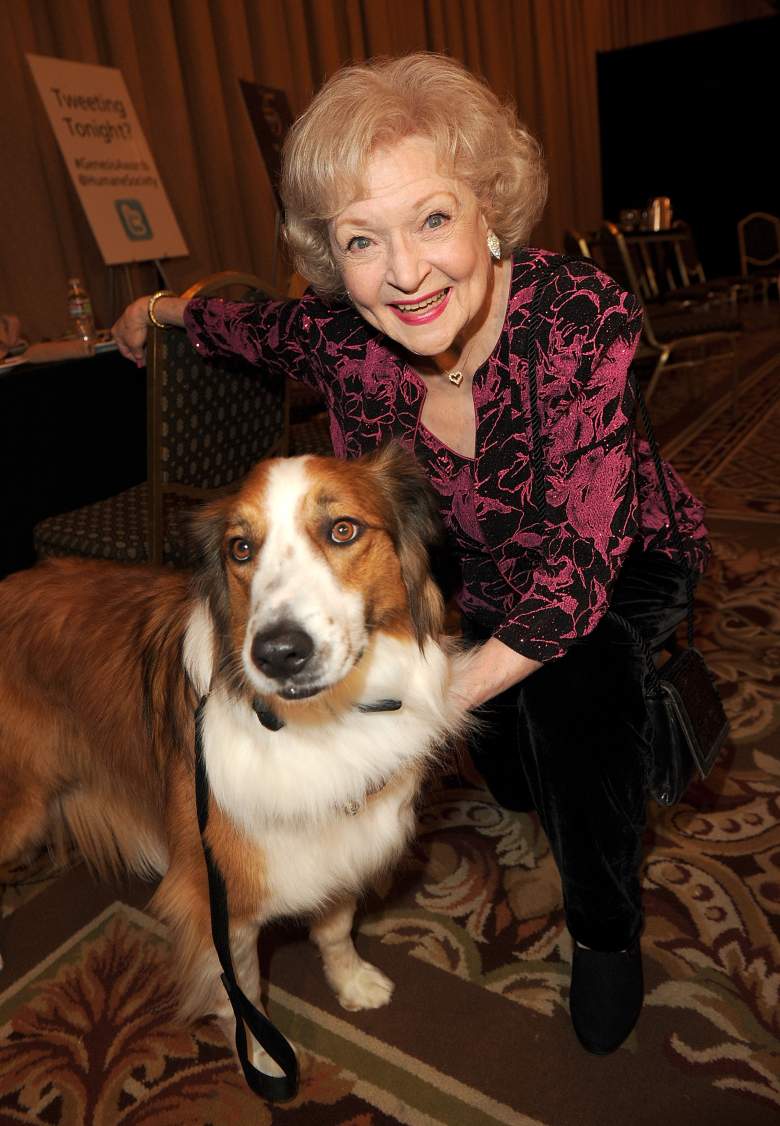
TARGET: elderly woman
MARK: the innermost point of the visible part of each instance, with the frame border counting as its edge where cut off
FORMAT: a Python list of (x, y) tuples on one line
[(409, 193)]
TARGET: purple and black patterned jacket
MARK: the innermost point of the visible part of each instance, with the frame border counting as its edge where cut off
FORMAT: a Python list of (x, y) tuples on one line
[(539, 581)]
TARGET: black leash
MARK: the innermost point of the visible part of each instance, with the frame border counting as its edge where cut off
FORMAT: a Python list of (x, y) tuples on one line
[(272, 1087)]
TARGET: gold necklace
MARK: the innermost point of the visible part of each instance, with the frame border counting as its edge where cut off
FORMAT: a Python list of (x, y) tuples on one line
[(455, 377)]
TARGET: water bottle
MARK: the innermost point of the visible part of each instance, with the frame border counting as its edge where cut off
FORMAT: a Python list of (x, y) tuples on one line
[(81, 323)]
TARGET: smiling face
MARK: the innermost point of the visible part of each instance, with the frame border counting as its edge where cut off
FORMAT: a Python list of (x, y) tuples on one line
[(413, 253)]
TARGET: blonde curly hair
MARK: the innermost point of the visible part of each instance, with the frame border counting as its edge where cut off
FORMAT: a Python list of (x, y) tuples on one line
[(477, 139)]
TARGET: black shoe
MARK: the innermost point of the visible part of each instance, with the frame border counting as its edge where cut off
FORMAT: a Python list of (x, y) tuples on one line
[(607, 990)]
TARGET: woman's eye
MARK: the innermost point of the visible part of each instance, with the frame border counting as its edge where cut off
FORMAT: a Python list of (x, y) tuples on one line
[(240, 550), (359, 242), (437, 219), (345, 531)]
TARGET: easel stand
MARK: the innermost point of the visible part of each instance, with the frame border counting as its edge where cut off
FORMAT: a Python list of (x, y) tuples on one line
[(122, 288)]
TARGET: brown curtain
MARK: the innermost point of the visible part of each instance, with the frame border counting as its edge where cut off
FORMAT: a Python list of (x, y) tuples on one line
[(181, 60)]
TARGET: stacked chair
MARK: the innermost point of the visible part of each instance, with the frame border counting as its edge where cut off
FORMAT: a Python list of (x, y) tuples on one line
[(208, 423), (677, 335), (758, 235), (687, 281), (576, 244)]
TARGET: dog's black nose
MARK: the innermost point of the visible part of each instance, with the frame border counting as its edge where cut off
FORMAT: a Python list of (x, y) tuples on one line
[(282, 651)]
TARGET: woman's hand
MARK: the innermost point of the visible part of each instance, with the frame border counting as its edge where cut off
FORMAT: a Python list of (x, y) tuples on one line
[(132, 326), (486, 671), (130, 330)]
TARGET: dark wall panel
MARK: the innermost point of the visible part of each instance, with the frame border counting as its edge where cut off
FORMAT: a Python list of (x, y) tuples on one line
[(695, 118)]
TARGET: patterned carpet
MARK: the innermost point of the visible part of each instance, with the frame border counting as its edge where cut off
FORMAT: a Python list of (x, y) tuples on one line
[(734, 462), (471, 930)]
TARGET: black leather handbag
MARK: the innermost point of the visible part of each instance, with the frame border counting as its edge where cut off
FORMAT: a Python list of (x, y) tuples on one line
[(689, 725)]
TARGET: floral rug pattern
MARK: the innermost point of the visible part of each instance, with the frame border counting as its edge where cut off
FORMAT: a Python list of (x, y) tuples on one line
[(471, 929), (97, 1041)]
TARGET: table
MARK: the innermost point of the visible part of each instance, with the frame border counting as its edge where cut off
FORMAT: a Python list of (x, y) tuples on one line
[(669, 234), (71, 433)]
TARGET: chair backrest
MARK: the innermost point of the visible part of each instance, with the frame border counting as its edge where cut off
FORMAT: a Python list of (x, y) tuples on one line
[(617, 260), (686, 257), (758, 235), (208, 421), (575, 244), (632, 265), (229, 283)]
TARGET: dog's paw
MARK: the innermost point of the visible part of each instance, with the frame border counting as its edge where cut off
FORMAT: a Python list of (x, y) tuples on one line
[(365, 988)]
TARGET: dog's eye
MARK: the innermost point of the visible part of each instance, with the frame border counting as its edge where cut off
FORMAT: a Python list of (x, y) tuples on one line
[(345, 531), (240, 550)]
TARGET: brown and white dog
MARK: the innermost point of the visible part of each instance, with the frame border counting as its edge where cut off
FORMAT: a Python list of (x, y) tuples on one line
[(314, 597)]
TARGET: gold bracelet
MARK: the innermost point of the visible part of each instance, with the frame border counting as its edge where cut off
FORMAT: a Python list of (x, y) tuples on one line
[(153, 301)]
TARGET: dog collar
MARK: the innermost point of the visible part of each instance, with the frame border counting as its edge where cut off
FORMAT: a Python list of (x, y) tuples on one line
[(271, 721), (380, 706)]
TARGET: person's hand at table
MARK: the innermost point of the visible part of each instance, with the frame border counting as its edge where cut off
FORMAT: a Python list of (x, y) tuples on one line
[(131, 329)]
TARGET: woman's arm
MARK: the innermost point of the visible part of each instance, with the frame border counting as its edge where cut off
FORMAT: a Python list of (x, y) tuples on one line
[(265, 332), (488, 670), (131, 328)]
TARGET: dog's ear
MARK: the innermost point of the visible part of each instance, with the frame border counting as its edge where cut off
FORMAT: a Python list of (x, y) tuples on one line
[(206, 532), (417, 530)]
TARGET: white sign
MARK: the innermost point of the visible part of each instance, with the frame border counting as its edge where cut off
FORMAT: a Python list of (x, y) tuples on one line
[(109, 160)]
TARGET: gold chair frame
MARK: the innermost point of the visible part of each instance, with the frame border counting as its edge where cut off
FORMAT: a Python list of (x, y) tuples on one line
[(664, 352), (763, 265)]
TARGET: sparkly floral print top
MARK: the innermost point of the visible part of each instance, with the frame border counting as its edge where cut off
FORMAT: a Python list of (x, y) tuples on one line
[(539, 579)]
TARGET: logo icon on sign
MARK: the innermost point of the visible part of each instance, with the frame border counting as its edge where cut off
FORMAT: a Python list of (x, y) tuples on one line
[(133, 219)]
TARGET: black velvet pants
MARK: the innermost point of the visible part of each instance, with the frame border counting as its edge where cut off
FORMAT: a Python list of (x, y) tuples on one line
[(571, 742)]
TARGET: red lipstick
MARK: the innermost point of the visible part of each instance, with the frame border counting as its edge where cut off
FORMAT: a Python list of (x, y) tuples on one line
[(426, 315)]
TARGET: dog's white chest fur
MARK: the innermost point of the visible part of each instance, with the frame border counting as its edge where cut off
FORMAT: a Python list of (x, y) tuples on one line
[(309, 865), (287, 790)]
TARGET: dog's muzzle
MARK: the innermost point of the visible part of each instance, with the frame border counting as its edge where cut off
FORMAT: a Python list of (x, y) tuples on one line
[(282, 653)]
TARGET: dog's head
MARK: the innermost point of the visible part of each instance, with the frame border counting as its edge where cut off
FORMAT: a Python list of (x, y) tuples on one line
[(309, 559)]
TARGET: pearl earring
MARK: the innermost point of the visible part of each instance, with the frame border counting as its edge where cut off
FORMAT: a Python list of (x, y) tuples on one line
[(493, 245)]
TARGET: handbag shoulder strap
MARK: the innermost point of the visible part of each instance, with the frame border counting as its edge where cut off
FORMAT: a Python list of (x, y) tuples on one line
[(662, 484), (538, 491)]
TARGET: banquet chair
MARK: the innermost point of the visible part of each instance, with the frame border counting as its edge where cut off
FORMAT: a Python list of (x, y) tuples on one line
[(689, 281), (208, 422), (575, 244), (758, 235), (676, 339)]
